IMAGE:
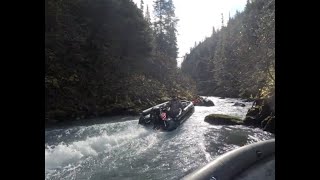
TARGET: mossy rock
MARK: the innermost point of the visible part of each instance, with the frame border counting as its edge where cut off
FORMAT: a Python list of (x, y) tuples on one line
[(221, 119)]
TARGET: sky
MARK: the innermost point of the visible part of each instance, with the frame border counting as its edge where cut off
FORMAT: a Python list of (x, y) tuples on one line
[(197, 18)]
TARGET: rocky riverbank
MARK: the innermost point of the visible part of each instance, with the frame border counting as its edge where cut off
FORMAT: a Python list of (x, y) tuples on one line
[(261, 115)]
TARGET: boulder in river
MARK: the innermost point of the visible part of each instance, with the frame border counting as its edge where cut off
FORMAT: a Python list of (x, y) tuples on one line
[(248, 100), (239, 104), (203, 102), (221, 119)]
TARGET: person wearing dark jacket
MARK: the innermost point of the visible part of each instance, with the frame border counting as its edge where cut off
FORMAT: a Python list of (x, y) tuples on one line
[(175, 107)]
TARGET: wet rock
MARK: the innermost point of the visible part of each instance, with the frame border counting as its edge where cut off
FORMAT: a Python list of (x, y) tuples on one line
[(253, 112), (239, 104), (208, 102), (221, 119), (248, 100), (268, 124), (203, 102), (251, 121), (260, 115)]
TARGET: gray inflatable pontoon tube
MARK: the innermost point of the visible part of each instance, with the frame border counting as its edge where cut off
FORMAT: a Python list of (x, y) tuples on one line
[(228, 165)]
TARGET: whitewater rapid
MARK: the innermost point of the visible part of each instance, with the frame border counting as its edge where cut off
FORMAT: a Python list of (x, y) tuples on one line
[(124, 149)]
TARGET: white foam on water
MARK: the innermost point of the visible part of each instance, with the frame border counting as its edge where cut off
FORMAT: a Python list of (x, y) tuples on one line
[(65, 154), (60, 155), (134, 151)]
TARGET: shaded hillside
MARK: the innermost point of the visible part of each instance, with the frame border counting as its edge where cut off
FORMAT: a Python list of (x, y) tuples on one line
[(237, 60), (101, 59)]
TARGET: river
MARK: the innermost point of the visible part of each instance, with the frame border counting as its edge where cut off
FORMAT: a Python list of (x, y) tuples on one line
[(123, 149)]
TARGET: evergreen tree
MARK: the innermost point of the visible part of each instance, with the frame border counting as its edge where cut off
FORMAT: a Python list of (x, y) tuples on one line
[(141, 6), (165, 30), (148, 17)]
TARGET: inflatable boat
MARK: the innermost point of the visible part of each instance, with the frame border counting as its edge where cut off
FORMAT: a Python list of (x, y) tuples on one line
[(158, 116), (253, 161)]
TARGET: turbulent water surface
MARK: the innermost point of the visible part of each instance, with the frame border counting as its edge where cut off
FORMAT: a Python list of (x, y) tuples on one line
[(126, 150)]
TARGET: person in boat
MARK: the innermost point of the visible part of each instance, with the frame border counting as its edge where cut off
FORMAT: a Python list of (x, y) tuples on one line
[(197, 100), (175, 107), (155, 115)]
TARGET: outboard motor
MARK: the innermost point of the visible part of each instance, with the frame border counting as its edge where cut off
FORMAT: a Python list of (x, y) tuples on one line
[(155, 113), (151, 117)]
